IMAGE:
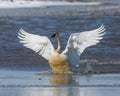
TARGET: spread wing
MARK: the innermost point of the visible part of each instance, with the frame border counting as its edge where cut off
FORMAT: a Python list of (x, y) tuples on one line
[(39, 44), (78, 42)]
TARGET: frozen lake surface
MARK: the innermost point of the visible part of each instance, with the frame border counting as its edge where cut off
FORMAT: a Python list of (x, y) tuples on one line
[(27, 83)]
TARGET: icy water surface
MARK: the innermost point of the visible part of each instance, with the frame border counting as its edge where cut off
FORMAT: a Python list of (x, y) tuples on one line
[(27, 83)]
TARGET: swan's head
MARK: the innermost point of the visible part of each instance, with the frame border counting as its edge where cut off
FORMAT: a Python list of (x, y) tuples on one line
[(55, 34)]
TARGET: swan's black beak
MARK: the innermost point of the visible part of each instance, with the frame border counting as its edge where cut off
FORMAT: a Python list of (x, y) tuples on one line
[(53, 36)]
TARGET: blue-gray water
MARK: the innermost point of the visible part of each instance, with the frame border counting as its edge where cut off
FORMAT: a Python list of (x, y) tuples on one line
[(13, 54)]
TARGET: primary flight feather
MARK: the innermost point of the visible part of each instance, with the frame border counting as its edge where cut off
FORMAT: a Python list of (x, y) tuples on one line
[(39, 44), (60, 62)]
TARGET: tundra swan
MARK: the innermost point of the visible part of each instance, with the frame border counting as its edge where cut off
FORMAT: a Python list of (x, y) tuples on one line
[(76, 44)]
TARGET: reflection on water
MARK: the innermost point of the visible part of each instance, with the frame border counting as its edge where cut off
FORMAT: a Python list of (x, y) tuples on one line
[(60, 79)]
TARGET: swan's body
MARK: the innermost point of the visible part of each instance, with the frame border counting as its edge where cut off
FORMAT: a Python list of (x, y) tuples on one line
[(60, 62)]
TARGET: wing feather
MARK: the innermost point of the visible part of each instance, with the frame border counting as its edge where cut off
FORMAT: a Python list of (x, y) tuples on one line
[(78, 42), (39, 44)]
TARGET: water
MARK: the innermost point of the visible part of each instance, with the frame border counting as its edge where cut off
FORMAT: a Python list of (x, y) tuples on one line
[(26, 83), (13, 54)]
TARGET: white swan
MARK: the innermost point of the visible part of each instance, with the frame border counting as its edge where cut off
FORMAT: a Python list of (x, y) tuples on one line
[(60, 62)]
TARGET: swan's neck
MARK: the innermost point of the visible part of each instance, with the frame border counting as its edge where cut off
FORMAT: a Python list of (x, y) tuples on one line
[(59, 44)]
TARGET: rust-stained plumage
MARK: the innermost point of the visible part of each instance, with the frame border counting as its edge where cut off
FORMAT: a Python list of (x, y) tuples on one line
[(59, 63)]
